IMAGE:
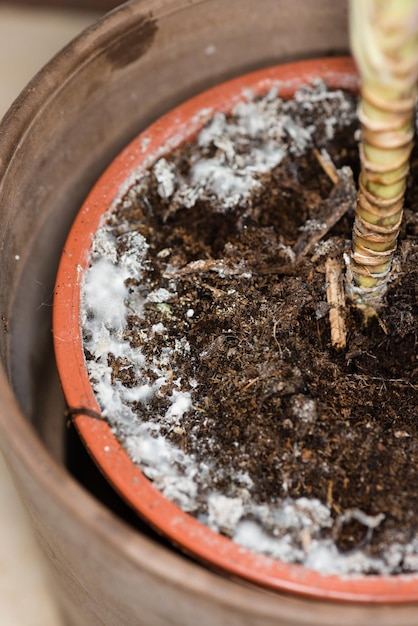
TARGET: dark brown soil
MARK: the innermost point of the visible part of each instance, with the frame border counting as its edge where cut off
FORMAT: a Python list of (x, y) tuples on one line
[(275, 399)]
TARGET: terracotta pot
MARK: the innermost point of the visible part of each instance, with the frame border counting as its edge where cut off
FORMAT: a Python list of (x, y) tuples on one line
[(111, 82), (172, 130)]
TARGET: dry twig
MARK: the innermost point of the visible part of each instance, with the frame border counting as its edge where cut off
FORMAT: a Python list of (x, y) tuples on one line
[(340, 200), (336, 301), (327, 165)]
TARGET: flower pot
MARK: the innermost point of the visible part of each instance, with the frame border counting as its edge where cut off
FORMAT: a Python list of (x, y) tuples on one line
[(170, 131), (111, 82)]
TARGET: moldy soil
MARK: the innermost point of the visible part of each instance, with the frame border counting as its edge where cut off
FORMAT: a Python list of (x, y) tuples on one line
[(273, 401)]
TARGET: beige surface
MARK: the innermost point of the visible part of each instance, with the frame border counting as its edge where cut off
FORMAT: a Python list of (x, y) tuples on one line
[(28, 39)]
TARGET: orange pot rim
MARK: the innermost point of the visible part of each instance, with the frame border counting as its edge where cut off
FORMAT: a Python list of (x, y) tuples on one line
[(194, 538)]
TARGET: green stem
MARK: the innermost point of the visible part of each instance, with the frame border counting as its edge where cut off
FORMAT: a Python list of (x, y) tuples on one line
[(384, 42)]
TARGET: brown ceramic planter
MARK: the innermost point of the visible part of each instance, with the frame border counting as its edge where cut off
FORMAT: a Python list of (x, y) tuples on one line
[(100, 5), (183, 530), (111, 82)]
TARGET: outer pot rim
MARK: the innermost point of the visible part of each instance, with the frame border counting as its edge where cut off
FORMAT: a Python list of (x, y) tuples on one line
[(183, 530)]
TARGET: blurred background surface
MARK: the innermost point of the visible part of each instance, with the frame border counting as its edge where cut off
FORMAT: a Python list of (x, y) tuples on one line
[(31, 33)]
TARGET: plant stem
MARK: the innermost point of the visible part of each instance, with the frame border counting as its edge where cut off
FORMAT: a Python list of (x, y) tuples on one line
[(384, 42)]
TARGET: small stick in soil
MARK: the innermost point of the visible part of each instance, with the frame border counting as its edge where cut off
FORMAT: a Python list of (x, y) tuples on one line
[(276, 340), (327, 165), (336, 301), (202, 266), (330, 499), (341, 199), (251, 383)]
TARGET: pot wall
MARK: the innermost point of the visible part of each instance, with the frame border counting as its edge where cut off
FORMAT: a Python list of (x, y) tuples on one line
[(135, 64)]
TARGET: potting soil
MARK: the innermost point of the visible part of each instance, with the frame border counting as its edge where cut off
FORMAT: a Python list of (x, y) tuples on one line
[(207, 340)]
